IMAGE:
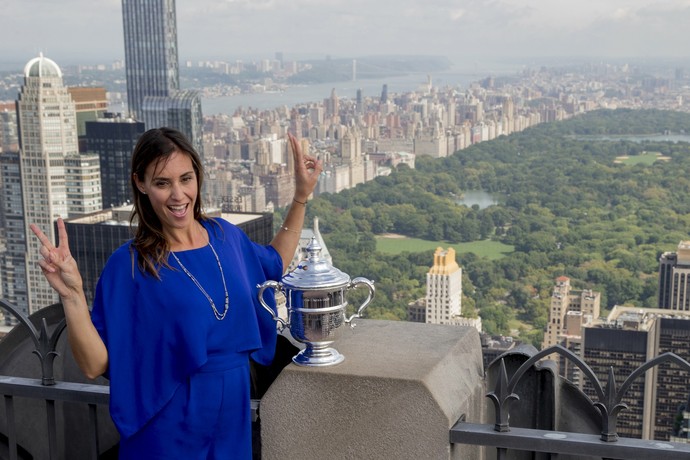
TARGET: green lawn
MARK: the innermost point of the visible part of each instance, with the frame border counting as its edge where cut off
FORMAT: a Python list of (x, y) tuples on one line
[(485, 248), (647, 158)]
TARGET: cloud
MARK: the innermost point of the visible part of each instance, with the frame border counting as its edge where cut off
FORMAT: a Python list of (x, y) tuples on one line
[(644, 30), (457, 14), (624, 14), (223, 29)]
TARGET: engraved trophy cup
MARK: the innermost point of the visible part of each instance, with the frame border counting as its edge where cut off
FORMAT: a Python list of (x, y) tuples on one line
[(316, 296)]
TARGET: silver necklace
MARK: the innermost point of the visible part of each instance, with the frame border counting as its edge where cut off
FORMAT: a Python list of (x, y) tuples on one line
[(219, 316)]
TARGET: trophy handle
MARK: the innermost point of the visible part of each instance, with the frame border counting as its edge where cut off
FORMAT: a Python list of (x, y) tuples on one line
[(370, 285), (276, 286)]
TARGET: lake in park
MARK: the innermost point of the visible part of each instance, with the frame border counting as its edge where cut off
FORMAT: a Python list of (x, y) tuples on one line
[(479, 197)]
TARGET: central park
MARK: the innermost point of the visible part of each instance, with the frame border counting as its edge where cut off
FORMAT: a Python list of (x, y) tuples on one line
[(580, 198)]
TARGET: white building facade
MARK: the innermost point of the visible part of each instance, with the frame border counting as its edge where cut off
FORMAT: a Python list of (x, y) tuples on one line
[(443, 288), (48, 133)]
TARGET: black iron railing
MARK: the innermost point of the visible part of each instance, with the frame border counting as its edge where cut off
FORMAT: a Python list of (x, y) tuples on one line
[(44, 344), (91, 395), (47, 389), (559, 442), (499, 435), (609, 403)]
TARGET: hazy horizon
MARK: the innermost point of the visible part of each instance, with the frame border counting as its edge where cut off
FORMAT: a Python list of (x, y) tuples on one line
[(81, 31)]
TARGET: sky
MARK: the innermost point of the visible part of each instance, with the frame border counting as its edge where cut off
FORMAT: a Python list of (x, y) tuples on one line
[(90, 31)]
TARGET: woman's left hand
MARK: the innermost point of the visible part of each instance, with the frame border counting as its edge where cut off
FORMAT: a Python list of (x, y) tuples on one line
[(307, 170)]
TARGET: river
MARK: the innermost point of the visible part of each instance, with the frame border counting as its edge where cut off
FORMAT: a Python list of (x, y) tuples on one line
[(295, 95)]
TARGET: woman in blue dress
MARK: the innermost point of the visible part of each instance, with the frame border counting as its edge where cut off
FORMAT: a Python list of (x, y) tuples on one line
[(175, 316)]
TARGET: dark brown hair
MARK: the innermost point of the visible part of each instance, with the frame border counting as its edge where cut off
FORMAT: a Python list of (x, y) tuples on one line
[(153, 146)]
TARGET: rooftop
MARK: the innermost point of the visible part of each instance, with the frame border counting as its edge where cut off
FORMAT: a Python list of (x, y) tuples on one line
[(42, 67), (119, 215)]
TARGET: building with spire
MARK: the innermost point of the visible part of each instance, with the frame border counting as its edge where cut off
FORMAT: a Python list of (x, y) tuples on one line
[(46, 179), (332, 106), (48, 134)]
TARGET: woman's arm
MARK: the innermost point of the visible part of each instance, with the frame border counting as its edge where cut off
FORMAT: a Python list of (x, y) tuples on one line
[(61, 271), (307, 170)]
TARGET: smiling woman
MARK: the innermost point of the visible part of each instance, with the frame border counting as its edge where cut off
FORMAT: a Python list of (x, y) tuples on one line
[(169, 327), (170, 184)]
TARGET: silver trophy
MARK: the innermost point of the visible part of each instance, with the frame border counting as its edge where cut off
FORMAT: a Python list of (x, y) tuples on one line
[(316, 297)]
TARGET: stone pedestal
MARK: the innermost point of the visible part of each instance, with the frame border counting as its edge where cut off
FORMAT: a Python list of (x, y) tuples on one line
[(396, 395)]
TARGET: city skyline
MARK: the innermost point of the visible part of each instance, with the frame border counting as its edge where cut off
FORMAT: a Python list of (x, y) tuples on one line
[(211, 29)]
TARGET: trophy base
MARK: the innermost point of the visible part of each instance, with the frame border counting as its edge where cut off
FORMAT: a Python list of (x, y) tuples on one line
[(318, 357)]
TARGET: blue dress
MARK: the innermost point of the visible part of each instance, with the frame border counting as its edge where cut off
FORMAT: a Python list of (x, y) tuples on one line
[(172, 364)]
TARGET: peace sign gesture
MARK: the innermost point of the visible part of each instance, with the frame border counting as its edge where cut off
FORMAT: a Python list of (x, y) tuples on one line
[(57, 263), (61, 271)]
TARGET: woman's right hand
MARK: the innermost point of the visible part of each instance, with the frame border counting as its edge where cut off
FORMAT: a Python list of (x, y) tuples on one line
[(57, 263), (61, 271)]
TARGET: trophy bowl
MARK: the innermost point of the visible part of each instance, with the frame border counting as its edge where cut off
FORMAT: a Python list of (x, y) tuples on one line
[(316, 301)]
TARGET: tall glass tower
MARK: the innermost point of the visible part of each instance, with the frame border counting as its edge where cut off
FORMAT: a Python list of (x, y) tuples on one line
[(152, 68)]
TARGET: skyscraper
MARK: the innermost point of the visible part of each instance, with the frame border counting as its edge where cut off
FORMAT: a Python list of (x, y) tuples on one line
[(83, 183), (443, 301), (8, 127), (90, 103), (48, 133), (674, 278), (629, 337), (384, 94), (332, 104), (151, 61), (624, 349), (181, 111), (569, 311), (152, 70), (443, 288), (113, 139), (12, 259)]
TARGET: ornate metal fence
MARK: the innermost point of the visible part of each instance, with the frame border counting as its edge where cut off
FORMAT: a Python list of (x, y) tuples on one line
[(609, 404), (44, 344), (47, 389)]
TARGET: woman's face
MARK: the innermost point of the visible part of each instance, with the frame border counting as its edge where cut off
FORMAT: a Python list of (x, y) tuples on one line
[(171, 186)]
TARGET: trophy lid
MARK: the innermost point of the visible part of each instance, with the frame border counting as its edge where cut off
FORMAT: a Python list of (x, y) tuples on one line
[(314, 272)]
